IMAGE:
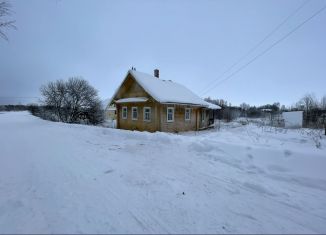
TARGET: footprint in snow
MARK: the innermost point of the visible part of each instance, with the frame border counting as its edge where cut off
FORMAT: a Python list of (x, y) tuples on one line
[(108, 171), (287, 153), (257, 188), (252, 169), (250, 156), (277, 168), (114, 147), (89, 142)]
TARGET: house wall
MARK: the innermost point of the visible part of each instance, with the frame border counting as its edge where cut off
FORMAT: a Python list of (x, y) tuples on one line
[(130, 88), (139, 124), (179, 123), (159, 118), (203, 124)]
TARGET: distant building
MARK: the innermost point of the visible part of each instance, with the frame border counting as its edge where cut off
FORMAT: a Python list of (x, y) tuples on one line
[(109, 110), (267, 113), (111, 113)]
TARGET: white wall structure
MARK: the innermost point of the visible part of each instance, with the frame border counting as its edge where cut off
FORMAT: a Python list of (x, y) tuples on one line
[(293, 119)]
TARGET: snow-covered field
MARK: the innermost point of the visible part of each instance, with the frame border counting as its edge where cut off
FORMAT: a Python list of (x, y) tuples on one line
[(61, 178)]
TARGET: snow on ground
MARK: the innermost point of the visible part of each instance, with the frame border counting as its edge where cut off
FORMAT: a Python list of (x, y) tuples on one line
[(61, 178)]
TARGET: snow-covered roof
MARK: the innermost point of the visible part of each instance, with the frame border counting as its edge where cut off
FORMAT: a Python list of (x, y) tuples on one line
[(166, 91), (132, 99), (267, 110), (212, 106)]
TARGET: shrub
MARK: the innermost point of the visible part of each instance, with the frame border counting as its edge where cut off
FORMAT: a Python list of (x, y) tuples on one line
[(72, 101)]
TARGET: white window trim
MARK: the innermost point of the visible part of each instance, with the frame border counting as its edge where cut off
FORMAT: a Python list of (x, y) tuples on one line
[(150, 114), (167, 114), (187, 109), (126, 108), (132, 113)]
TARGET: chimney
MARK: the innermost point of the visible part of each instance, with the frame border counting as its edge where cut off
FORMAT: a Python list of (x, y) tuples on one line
[(156, 73)]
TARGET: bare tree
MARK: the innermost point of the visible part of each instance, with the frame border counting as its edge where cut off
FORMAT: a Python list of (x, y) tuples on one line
[(81, 97), (323, 103), (283, 108), (277, 104), (308, 102), (5, 11), (54, 94), (244, 106), (73, 101)]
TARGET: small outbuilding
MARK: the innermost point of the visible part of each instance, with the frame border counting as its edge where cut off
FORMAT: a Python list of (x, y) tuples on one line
[(293, 119)]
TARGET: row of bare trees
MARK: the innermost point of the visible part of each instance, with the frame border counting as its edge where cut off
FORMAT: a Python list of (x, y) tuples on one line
[(309, 102)]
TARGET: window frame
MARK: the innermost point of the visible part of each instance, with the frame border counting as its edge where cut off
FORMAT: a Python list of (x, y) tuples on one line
[(187, 109), (167, 114), (122, 112), (203, 115), (150, 114), (132, 113)]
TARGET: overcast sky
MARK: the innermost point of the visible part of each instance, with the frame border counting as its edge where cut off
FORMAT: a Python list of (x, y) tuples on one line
[(191, 42)]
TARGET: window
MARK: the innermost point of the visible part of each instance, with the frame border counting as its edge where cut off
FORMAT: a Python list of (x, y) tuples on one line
[(134, 113), (124, 112), (170, 114), (203, 115), (147, 114), (187, 114)]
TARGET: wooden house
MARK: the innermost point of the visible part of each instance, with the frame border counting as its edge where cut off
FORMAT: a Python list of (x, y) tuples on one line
[(148, 103)]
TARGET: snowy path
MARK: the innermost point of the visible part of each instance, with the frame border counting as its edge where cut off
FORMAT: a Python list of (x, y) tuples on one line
[(59, 178)]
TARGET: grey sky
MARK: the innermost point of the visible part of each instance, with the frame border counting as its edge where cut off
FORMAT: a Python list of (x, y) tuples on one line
[(191, 42)]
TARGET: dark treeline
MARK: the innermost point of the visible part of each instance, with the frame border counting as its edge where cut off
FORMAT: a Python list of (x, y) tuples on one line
[(11, 107)]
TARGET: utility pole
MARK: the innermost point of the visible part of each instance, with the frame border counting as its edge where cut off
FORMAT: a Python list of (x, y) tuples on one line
[(324, 122)]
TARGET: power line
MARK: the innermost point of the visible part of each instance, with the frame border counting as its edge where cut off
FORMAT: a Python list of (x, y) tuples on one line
[(257, 45), (269, 48), (18, 97)]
